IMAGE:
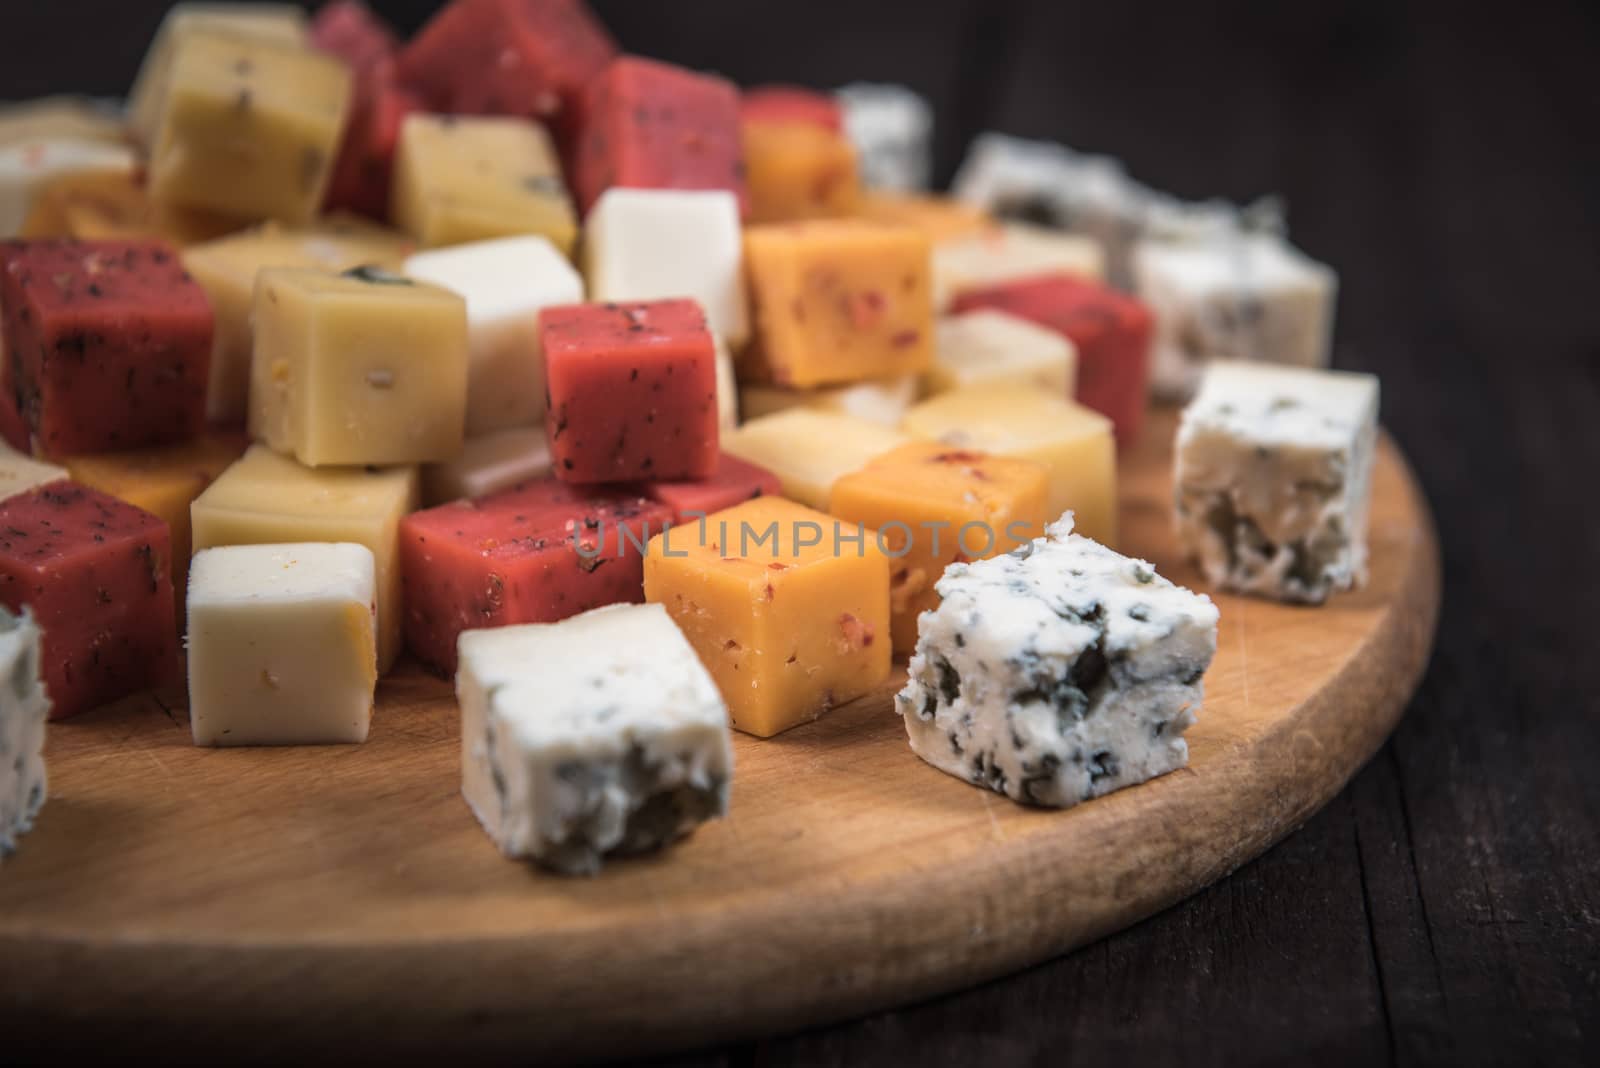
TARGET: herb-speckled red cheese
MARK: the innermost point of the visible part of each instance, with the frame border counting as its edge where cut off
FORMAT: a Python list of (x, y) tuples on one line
[(536, 553), (348, 29), (108, 342), (530, 58), (650, 125), (734, 481), (1110, 330), (632, 391), (364, 171), (95, 571)]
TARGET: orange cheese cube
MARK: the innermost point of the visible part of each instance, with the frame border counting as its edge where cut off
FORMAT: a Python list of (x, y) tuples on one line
[(787, 608), (163, 481), (933, 505), (798, 170), (941, 218), (839, 300)]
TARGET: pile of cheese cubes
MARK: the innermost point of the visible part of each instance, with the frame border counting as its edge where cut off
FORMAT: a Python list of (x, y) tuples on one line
[(334, 346)]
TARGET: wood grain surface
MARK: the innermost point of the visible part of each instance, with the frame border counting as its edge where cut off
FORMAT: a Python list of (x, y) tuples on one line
[(272, 899)]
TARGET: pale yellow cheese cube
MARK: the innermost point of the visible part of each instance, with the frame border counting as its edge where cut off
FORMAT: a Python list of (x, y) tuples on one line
[(249, 128), (1069, 439), (266, 499), (226, 269), (460, 179), (991, 348), (19, 473), (283, 23), (28, 168), (73, 118), (727, 386), (809, 450), (880, 400), (1006, 253), (364, 367), (488, 464)]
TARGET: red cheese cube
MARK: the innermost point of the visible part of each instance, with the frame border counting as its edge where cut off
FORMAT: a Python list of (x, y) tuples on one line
[(348, 29), (790, 103), (1111, 332), (632, 391), (536, 553), (508, 57), (109, 343), (649, 125), (95, 571), (363, 174), (733, 482)]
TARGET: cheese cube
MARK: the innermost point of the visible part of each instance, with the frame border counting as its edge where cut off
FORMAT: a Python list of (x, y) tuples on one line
[(30, 167), (488, 464), (350, 30), (786, 607), (655, 244), (1110, 331), (991, 348), (734, 482), (226, 269), (650, 125), (1074, 443), (883, 401), (809, 450), (506, 283), (364, 170), (633, 391), (364, 367), (24, 708), (282, 645), (892, 128), (116, 206), (838, 300), (248, 127), (1237, 297), (1274, 479), (933, 506), (95, 572), (72, 118), (599, 736), (536, 553), (109, 343), (508, 57), (727, 386), (20, 473), (798, 170), (791, 103), (1059, 673), (460, 179), (941, 218), (163, 481), (265, 498), (283, 24), (1009, 252)]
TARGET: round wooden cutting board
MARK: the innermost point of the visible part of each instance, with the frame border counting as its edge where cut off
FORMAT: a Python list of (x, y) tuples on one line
[(345, 894)]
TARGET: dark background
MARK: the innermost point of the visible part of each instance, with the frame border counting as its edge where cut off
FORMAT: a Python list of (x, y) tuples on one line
[(1445, 158)]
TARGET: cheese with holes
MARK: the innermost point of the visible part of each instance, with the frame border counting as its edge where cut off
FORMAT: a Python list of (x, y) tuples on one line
[(1058, 673)]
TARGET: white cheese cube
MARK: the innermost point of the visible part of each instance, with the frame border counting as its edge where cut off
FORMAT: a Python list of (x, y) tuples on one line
[(24, 708), (73, 117), (657, 244), (1057, 673), (991, 348), (1274, 476), (1236, 296), (488, 464), (892, 129), (19, 473), (1007, 253), (282, 644), (883, 401), (28, 166), (505, 282), (599, 735)]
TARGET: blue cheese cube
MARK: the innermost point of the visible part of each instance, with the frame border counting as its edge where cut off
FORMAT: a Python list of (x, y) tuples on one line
[(24, 707), (599, 735), (1058, 673), (1273, 479), (1238, 296), (892, 130)]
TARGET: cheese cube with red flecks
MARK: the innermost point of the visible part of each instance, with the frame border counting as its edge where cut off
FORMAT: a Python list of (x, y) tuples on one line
[(109, 343), (735, 481), (791, 103), (536, 553), (96, 573), (633, 391)]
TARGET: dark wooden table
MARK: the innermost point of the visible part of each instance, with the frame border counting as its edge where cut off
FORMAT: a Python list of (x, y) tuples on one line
[(1445, 157)]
